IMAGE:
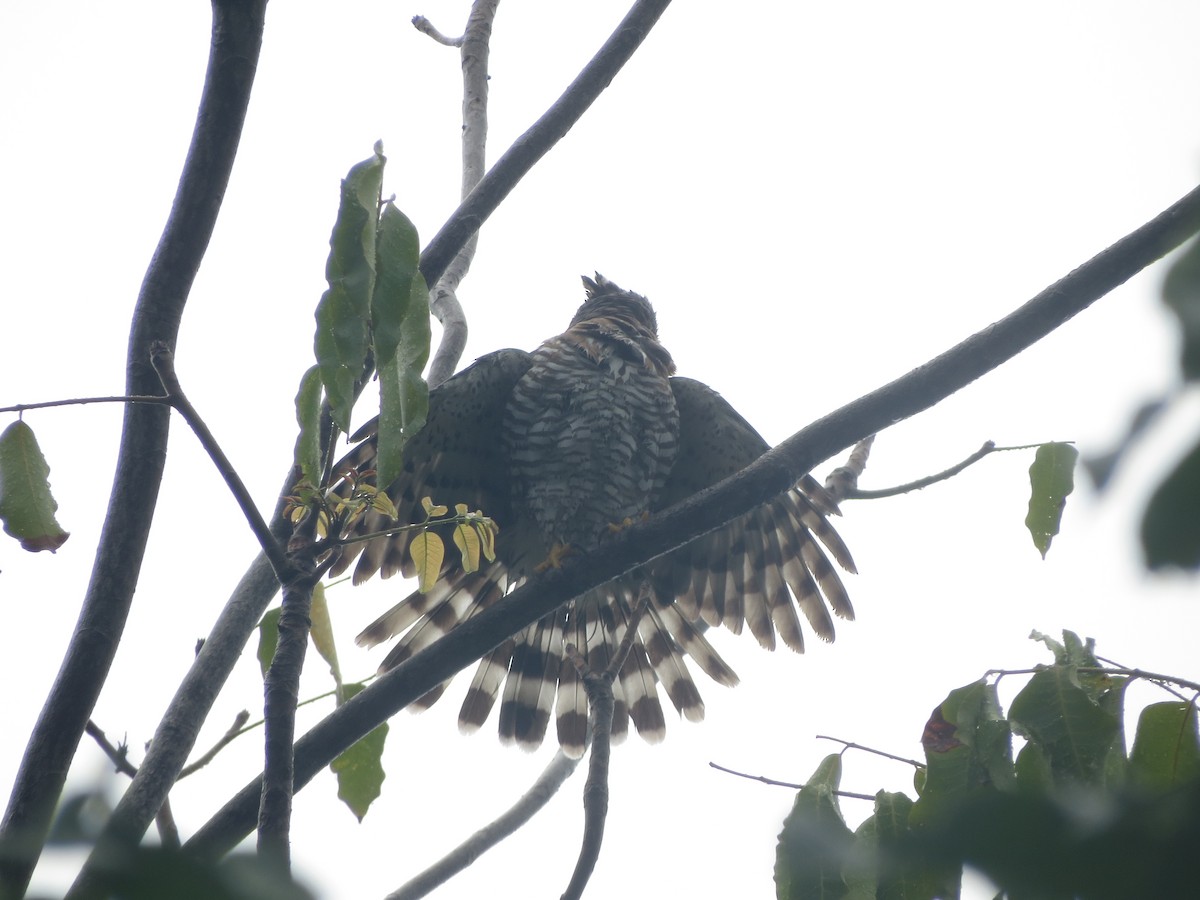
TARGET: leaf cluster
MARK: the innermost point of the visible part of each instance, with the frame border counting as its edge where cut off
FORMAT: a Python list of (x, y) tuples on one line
[(1072, 814)]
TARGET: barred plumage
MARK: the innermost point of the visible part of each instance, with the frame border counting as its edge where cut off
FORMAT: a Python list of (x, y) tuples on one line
[(559, 447)]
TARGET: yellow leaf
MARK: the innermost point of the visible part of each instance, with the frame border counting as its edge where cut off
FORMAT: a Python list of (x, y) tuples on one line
[(486, 530), (427, 551), (432, 511), (460, 509), (467, 542), (383, 504)]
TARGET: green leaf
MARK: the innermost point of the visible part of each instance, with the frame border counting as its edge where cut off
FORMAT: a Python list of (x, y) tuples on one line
[(1166, 748), (815, 843), (1075, 732), (1052, 478), (308, 417), (1181, 293), (26, 504), (359, 769), (1170, 526), (897, 881), (268, 638), (321, 632), (400, 323), (342, 340)]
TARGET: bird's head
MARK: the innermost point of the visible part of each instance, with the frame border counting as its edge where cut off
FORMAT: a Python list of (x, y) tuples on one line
[(622, 322), (607, 300)]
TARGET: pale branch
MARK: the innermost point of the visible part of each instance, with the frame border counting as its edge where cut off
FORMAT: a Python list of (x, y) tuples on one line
[(763, 779), (234, 49), (443, 297), (532, 801), (988, 448), (843, 480), (83, 401), (772, 474), (540, 137), (424, 26), (601, 704), (163, 361), (234, 731), (850, 745)]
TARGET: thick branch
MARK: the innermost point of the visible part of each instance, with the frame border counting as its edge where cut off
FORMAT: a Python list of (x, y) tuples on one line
[(281, 692), (537, 141), (769, 476), (236, 39)]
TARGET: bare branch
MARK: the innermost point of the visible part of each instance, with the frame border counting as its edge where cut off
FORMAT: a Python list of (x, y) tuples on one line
[(168, 832), (842, 482), (82, 401), (987, 448), (541, 136), (443, 299), (850, 745), (163, 361), (239, 722), (558, 771), (233, 56), (763, 779), (424, 26), (769, 476)]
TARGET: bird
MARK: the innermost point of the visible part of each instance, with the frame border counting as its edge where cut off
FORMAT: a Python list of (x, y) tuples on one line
[(562, 448)]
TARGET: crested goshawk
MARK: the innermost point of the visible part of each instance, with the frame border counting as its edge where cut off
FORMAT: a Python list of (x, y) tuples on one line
[(559, 447)]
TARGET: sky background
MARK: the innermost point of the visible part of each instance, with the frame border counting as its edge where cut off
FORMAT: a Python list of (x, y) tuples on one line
[(816, 197)]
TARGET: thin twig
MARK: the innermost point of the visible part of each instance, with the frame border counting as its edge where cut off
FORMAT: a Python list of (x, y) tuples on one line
[(118, 755), (850, 745), (82, 401), (168, 831), (1104, 670), (163, 361), (787, 784), (235, 730), (987, 449), (599, 687)]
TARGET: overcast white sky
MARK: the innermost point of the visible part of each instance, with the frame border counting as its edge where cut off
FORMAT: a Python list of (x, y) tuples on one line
[(817, 197)]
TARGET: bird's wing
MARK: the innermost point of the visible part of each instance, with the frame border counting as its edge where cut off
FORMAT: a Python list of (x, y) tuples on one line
[(741, 574), (454, 458)]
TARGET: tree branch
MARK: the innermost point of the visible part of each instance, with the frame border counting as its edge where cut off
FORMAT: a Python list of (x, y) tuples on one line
[(281, 694), (558, 771), (769, 476), (601, 705), (443, 299), (233, 57), (163, 361), (541, 136)]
